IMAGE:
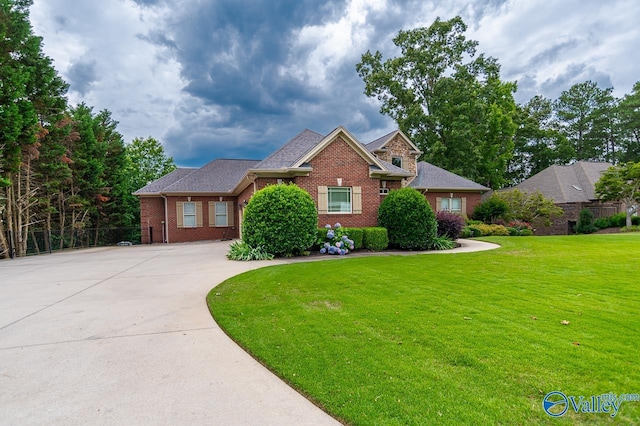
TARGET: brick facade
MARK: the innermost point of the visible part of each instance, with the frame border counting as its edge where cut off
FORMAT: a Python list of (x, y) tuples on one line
[(340, 162), (152, 215), (471, 200)]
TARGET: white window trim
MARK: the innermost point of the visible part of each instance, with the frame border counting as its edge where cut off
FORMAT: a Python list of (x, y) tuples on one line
[(226, 213), (343, 188), (185, 215)]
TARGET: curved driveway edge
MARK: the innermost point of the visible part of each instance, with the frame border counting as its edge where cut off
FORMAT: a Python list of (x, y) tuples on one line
[(122, 335)]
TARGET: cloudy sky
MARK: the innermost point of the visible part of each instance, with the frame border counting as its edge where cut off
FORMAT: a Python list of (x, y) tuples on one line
[(238, 78)]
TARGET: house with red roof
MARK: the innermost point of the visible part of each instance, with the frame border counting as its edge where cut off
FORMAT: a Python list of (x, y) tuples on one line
[(346, 178)]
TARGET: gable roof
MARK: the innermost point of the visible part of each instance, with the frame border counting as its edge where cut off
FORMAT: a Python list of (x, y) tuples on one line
[(342, 132), (293, 157), (158, 185), (218, 176), (380, 143), (566, 184), (291, 152), (433, 178)]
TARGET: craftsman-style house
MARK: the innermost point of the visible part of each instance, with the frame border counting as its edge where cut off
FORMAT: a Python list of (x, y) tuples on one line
[(347, 180)]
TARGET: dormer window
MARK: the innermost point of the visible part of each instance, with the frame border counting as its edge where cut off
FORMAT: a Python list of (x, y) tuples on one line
[(396, 161)]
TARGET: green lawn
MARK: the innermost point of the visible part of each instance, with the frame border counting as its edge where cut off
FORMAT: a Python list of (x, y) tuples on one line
[(472, 338)]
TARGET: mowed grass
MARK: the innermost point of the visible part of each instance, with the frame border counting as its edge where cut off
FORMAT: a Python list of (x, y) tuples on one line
[(470, 338)]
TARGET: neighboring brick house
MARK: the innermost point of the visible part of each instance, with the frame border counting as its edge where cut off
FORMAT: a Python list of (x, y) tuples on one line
[(572, 188), (346, 179)]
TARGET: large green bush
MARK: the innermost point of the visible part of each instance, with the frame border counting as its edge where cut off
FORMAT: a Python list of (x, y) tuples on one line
[(281, 219), (409, 220), (375, 238), (585, 222), (490, 210)]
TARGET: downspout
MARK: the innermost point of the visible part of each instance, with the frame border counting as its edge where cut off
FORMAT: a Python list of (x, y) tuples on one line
[(166, 219)]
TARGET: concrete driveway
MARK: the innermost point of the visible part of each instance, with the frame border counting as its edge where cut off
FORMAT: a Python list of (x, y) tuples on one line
[(122, 335)]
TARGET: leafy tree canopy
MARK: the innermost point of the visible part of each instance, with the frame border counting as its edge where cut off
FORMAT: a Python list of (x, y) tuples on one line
[(529, 207), (147, 162), (621, 183), (460, 114)]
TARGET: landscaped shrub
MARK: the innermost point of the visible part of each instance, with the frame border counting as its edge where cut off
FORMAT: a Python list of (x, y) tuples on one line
[(239, 250), (443, 243), (618, 220), (449, 224), (488, 230), (408, 218), (356, 235), (633, 228), (282, 219), (585, 222), (519, 228), (375, 238), (336, 241), (601, 223), (490, 210), (470, 232)]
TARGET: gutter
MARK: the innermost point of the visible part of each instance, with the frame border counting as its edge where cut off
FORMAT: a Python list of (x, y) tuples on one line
[(165, 227)]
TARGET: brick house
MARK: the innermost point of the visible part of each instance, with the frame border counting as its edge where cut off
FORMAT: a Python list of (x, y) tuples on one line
[(572, 188), (346, 179)]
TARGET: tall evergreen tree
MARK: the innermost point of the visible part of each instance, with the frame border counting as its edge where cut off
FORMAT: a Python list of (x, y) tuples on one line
[(589, 121), (539, 143), (31, 97), (629, 113)]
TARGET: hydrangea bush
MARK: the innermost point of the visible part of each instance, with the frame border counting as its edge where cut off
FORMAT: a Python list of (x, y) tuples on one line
[(337, 241)]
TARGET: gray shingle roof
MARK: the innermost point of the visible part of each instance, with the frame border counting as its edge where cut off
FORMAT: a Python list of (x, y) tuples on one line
[(372, 146), (292, 151), (395, 170), (218, 176), (566, 184), (433, 178), (158, 185)]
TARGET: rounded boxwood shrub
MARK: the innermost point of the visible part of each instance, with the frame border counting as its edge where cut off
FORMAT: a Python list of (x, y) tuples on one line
[(280, 219), (409, 220)]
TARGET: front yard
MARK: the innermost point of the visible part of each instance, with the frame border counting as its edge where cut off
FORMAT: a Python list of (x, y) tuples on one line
[(475, 338)]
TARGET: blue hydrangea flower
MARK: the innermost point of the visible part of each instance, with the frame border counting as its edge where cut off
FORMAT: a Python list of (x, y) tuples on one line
[(323, 250), (345, 238), (327, 245), (337, 225), (330, 235), (342, 252), (327, 226), (338, 244)]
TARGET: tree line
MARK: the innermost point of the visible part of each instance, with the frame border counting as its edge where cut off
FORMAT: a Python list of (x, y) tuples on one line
[(451, 101), (64, 170)]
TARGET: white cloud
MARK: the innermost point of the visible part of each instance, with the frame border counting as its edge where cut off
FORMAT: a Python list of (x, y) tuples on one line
[(137, 81)]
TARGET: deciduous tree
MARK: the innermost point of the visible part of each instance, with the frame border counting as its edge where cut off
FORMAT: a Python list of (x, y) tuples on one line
[(449, 100), (621, 183)]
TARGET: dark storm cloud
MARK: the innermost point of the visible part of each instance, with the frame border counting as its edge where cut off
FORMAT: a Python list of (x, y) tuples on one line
[(240, 78), (81, 76), (574, 74)]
